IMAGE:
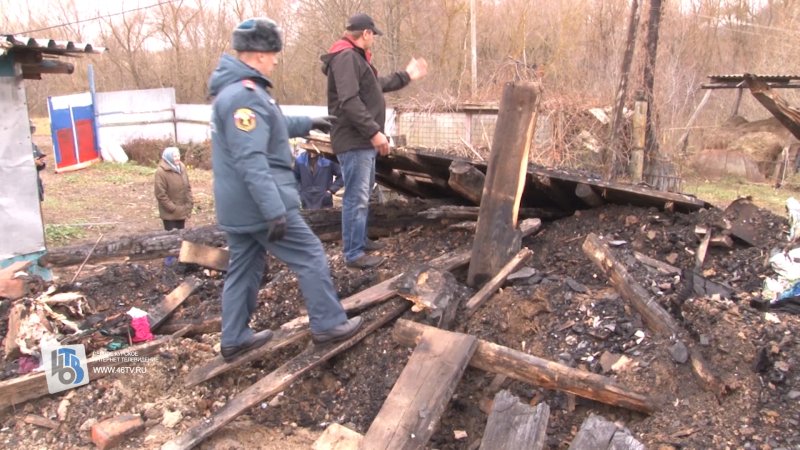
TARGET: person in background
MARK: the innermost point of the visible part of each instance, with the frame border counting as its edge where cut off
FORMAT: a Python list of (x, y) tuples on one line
[(255, 193), (319, 178), (355, 97), (173, 191), (38, 159)]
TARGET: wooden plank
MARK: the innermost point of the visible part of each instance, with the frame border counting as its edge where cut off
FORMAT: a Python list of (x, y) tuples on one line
[(588, 196), (338, 437), (722, 240), (513, 425), (193, 327), (7, 273), (666, 269), (159, 244), (410, 414), (217, 366), (496, 239), (740, 216), (595, 434), (417, 161), (34, 385), (466, 180), (205, 255), (683, 141), (13, 289), (786, 114), (471, 213), (40, 421), (172, 301), (430, 289), (282, 377), (702, 249), (540, 372), (656, 317), (296, 329), (554, 193), (492, 285), (486, 403)]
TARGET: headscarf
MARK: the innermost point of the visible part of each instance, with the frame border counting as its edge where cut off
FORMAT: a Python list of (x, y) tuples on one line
[(169, 156)]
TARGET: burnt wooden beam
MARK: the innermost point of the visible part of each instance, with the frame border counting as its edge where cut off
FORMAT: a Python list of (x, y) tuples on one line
[(554, 193), (496, 238), (466, 180), (326, 223), (513, 425), (205, 255), (497, 281), (597, 433), (297, 329), (193, 328), (282, 377), (471, 213), (430, 289), (786, 114), (655, 316), (537, 371), (411, 412), (172, 301), (558, 183), (47, 66), (588, 196)]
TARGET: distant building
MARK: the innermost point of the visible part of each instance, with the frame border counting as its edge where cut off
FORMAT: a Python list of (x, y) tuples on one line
[(21, 59)]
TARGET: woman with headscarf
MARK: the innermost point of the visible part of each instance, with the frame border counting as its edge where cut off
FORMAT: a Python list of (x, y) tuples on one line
[(172, 189)]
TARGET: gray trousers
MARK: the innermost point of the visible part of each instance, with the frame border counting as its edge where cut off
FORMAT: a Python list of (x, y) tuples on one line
[(302, 251)]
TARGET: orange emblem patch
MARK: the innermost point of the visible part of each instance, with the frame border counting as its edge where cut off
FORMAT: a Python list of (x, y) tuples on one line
[(245, 119)]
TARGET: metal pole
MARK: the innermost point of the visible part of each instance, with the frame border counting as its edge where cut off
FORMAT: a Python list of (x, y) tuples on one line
[(474, 47)]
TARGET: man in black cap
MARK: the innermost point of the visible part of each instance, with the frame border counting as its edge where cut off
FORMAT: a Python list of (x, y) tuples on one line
[(355, 97), (256, 197), (318, 179)]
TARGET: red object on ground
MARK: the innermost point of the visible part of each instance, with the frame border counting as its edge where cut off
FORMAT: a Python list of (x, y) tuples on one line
[(141, 328)]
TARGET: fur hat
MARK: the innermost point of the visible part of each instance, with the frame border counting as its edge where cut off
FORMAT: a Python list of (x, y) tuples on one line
[(258, 34)]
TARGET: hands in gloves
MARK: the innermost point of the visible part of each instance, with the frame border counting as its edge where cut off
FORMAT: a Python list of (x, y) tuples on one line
[(276, 228), (323, 123)]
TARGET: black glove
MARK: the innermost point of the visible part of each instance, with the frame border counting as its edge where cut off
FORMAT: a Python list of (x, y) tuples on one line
[(276, 228), (323, 123)]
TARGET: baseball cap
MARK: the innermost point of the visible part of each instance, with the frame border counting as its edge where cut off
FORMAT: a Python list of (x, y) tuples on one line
[(362, 21)]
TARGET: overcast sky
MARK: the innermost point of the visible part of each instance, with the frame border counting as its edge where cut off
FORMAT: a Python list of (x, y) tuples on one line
[(16, 11)]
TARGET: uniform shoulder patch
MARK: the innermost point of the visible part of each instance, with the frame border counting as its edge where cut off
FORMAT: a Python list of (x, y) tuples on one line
[(245, 119), (249, 84)]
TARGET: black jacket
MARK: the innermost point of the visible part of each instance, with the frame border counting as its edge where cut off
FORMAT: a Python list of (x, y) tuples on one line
[(355, 95)]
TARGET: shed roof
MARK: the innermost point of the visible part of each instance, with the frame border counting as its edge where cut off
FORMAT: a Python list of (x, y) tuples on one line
[(9, 42)]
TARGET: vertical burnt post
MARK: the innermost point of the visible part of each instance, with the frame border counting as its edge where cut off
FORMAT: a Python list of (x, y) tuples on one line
[(496, 238)]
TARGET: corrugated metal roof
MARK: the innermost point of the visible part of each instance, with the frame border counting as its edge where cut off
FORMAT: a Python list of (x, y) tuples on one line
[(10, 42), (765, 77)]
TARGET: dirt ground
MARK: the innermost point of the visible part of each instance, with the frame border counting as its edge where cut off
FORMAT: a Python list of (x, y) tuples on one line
[(566, 312)]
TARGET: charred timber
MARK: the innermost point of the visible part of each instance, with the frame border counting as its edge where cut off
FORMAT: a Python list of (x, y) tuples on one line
[(326, 223)]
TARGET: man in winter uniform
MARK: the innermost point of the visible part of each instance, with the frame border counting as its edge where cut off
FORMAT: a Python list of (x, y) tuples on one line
[(319, 178), (355, 97), (255, 192)]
